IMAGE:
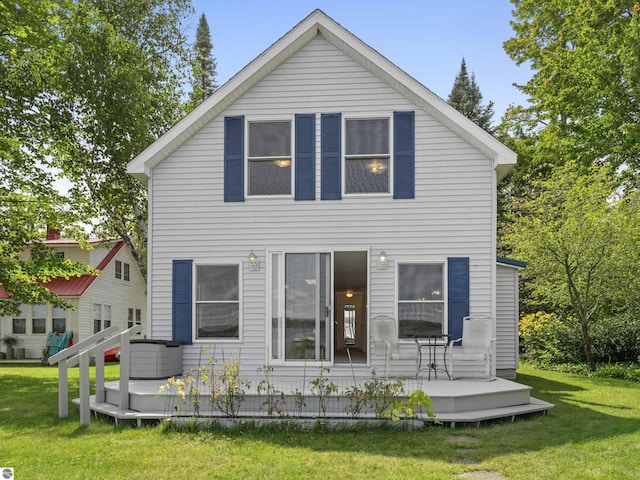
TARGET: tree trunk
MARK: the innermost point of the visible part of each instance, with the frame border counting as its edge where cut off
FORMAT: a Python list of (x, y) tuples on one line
[(587, 344)]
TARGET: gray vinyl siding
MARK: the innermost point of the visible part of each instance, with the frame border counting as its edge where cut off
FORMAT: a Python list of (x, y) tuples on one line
[(452, 214), (507, 319)]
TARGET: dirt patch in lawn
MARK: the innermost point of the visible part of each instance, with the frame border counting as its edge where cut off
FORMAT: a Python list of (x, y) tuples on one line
[(483, 475)]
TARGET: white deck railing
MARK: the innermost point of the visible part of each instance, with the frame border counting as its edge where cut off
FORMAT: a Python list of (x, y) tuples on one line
[(81, 353)]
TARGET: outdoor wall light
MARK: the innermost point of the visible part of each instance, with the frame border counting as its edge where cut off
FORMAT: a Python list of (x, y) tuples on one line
[(254, 266), (382, 260)]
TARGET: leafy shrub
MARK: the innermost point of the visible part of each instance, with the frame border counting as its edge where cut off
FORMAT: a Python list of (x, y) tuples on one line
[(616, 338), (629, 371), (548, 339)]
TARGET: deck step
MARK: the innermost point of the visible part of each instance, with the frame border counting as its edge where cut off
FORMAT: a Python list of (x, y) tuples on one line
[(459, 401)]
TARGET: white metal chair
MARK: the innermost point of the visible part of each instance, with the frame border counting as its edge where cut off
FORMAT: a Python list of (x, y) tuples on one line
[(385, 340), (477, 347)]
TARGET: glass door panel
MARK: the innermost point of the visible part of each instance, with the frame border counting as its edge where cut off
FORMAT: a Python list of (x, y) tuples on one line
[(307, 297)]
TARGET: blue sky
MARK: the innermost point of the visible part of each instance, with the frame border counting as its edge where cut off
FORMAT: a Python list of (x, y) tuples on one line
[(426, 38)]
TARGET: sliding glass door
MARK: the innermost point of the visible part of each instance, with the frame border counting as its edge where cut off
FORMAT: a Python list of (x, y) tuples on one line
[(301, 306)]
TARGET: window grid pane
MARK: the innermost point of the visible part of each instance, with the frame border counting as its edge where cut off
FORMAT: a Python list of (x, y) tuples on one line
[(270, 177), (97, 318), (420, 319), (420, 282), (38, 325), (367, 175), (59, 325), (270, 139), (368, 136), (218, 320), (217, 283)]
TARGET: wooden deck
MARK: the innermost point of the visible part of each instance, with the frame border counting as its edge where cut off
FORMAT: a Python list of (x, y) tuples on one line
[(454, 401)]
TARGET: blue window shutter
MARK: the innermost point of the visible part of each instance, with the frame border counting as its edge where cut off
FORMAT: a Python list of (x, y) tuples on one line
[(404, 155), (234, 159), (331, 156), (305, 159), (458, 299), (181, 318)]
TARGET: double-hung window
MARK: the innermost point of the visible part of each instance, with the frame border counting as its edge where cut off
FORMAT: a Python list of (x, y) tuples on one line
[(367, 156), (420, 300), (269, 160), (39, 318), (217, 302), (97, 317), (59, 320), (19, 321)]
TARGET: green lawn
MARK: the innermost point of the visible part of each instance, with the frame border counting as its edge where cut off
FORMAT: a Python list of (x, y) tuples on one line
[(593, 433)]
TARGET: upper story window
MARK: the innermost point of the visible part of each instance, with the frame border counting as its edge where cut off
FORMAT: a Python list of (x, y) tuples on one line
[(367, 155), (269, 160), (217, 302), (420, 300), (123, 270)]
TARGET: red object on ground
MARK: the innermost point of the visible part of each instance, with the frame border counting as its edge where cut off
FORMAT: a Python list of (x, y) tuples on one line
[(112, 355)]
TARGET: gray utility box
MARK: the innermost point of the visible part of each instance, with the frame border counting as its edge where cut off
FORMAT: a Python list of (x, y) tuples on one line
[(155, 359)]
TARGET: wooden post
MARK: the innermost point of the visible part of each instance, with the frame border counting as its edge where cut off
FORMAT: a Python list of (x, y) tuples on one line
[(125, 360), (85, 408), (100, 391), (63, 389)]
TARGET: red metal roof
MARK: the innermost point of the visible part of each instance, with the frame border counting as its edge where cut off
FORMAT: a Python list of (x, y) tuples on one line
[(74, 286)]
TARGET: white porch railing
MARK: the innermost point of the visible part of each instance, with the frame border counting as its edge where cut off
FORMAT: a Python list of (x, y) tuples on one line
[(80, 353)]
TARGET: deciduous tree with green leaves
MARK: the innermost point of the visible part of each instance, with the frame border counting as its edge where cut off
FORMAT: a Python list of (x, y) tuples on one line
[(585, 89), (582, 244), (28, 199), (116, 87), (85, 85)]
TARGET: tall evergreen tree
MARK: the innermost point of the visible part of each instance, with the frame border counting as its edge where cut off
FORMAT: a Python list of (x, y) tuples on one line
[(203, 82), (465, 96)]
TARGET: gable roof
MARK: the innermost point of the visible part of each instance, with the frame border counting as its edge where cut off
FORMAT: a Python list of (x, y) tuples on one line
[(318, 23), (74, 286)]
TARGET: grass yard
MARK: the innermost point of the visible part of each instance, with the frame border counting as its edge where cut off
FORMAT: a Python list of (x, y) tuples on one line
[(593, 433)]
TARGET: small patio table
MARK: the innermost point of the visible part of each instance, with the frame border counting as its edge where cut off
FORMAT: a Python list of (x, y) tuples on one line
[(430, 342)]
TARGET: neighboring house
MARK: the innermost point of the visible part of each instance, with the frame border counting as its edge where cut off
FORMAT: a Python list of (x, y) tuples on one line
[(115, 296), (318, 189)]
